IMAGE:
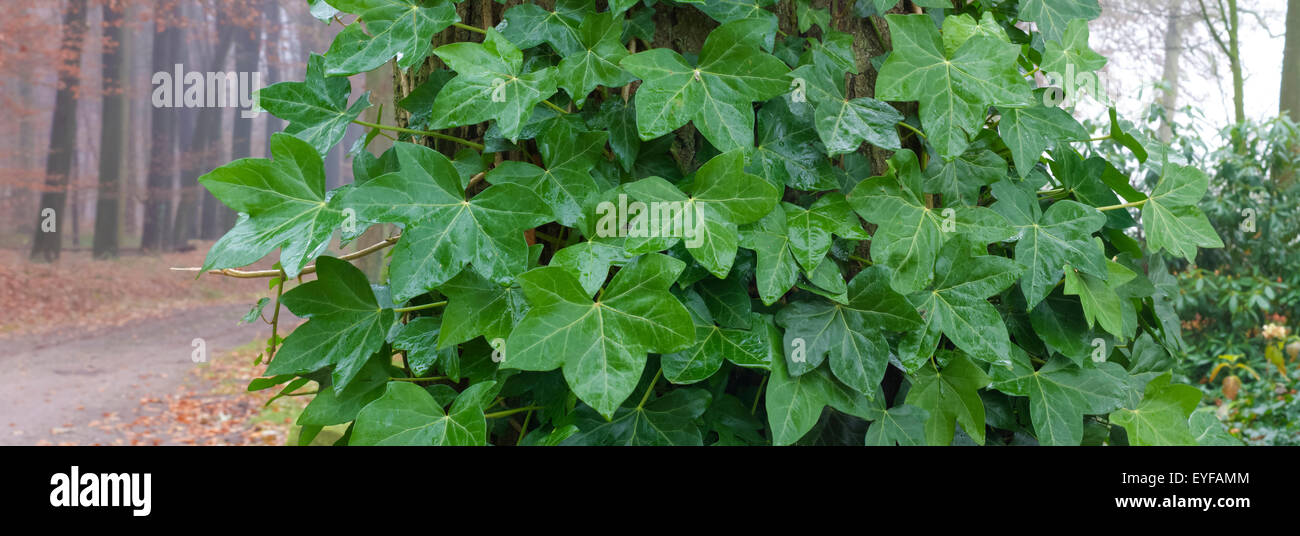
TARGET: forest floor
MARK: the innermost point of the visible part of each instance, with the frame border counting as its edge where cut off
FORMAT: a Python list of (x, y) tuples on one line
[(100, 353)]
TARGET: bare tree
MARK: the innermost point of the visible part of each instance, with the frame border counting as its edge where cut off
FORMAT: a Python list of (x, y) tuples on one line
[(112, 132), (47, 242)]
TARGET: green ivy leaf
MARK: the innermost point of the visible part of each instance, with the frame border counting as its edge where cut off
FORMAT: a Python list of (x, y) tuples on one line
[(749, 347), (763, 22), (723, 197), (910, 233), (1072, 53), (958, 29), (317, 108), (777, 270), (957, 306), (842, 123), (794, 403), (569, 155), (955, 89), (901, 425), (345, 324), (1162, 416), (669, 420), (849, 333), (959, 180), (596, 64), (1050, 240), (717, 95), (477, 306), (589, 262), (445, 232), (1170, 216), (282, 204), (788, 150), (602, 346), (490, 83), (1060, 394), (1083, 180), (529, 25), (393, 28), (1101, 304), (1054, 16), (408, 415), (949, 395), (419, 339), (1030, 131)]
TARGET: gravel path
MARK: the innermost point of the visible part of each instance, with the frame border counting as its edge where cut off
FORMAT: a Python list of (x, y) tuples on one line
[(57, 384)]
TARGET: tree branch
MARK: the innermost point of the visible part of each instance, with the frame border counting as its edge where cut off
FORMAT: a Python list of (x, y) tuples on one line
[(253, 274)]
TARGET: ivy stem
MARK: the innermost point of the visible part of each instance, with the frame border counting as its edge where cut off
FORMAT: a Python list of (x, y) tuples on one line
[(1030, 74), (420, 307), (428, 133), (425, 379), (1137, 203), (251, 274), (553, 240), (552, 106), (475, 29), (754, 407), (509, 412), (275, 318), (860, 259), (523, 430), (650, 389), (1099, 138), (913, 129)]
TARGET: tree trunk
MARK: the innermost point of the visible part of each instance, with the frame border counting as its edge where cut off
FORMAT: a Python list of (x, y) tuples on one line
[(202, 151), (1290, 96), (162, 133), (379, 83), (1231, 23), (248, 46), (112, 134), (1173, 53), (47, 241)]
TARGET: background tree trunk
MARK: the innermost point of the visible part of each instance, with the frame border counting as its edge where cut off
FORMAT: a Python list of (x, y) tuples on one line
[(1290, 96), (201, 153), (1173, 53), (162, 133), (63, 135), (112, 133), (248, 47)]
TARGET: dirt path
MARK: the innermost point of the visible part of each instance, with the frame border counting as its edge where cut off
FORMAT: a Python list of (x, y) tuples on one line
[(61, 387)]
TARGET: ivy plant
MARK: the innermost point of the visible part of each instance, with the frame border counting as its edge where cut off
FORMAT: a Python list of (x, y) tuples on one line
[(624, 241)]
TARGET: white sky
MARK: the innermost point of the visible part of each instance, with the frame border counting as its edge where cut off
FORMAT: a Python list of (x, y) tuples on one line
[(1131, 75)]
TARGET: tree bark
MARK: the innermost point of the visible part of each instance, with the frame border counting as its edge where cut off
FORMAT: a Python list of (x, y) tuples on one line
[(162, 133), (1290, 94), (112, 133), (201, 152), (47, 242), (1173, 53)]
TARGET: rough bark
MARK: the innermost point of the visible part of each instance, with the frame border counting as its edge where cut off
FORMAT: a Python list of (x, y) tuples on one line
[(46, 246), (112, 133)]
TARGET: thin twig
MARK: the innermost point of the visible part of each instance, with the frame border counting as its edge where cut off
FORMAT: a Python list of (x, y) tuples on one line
[(253, 274)]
